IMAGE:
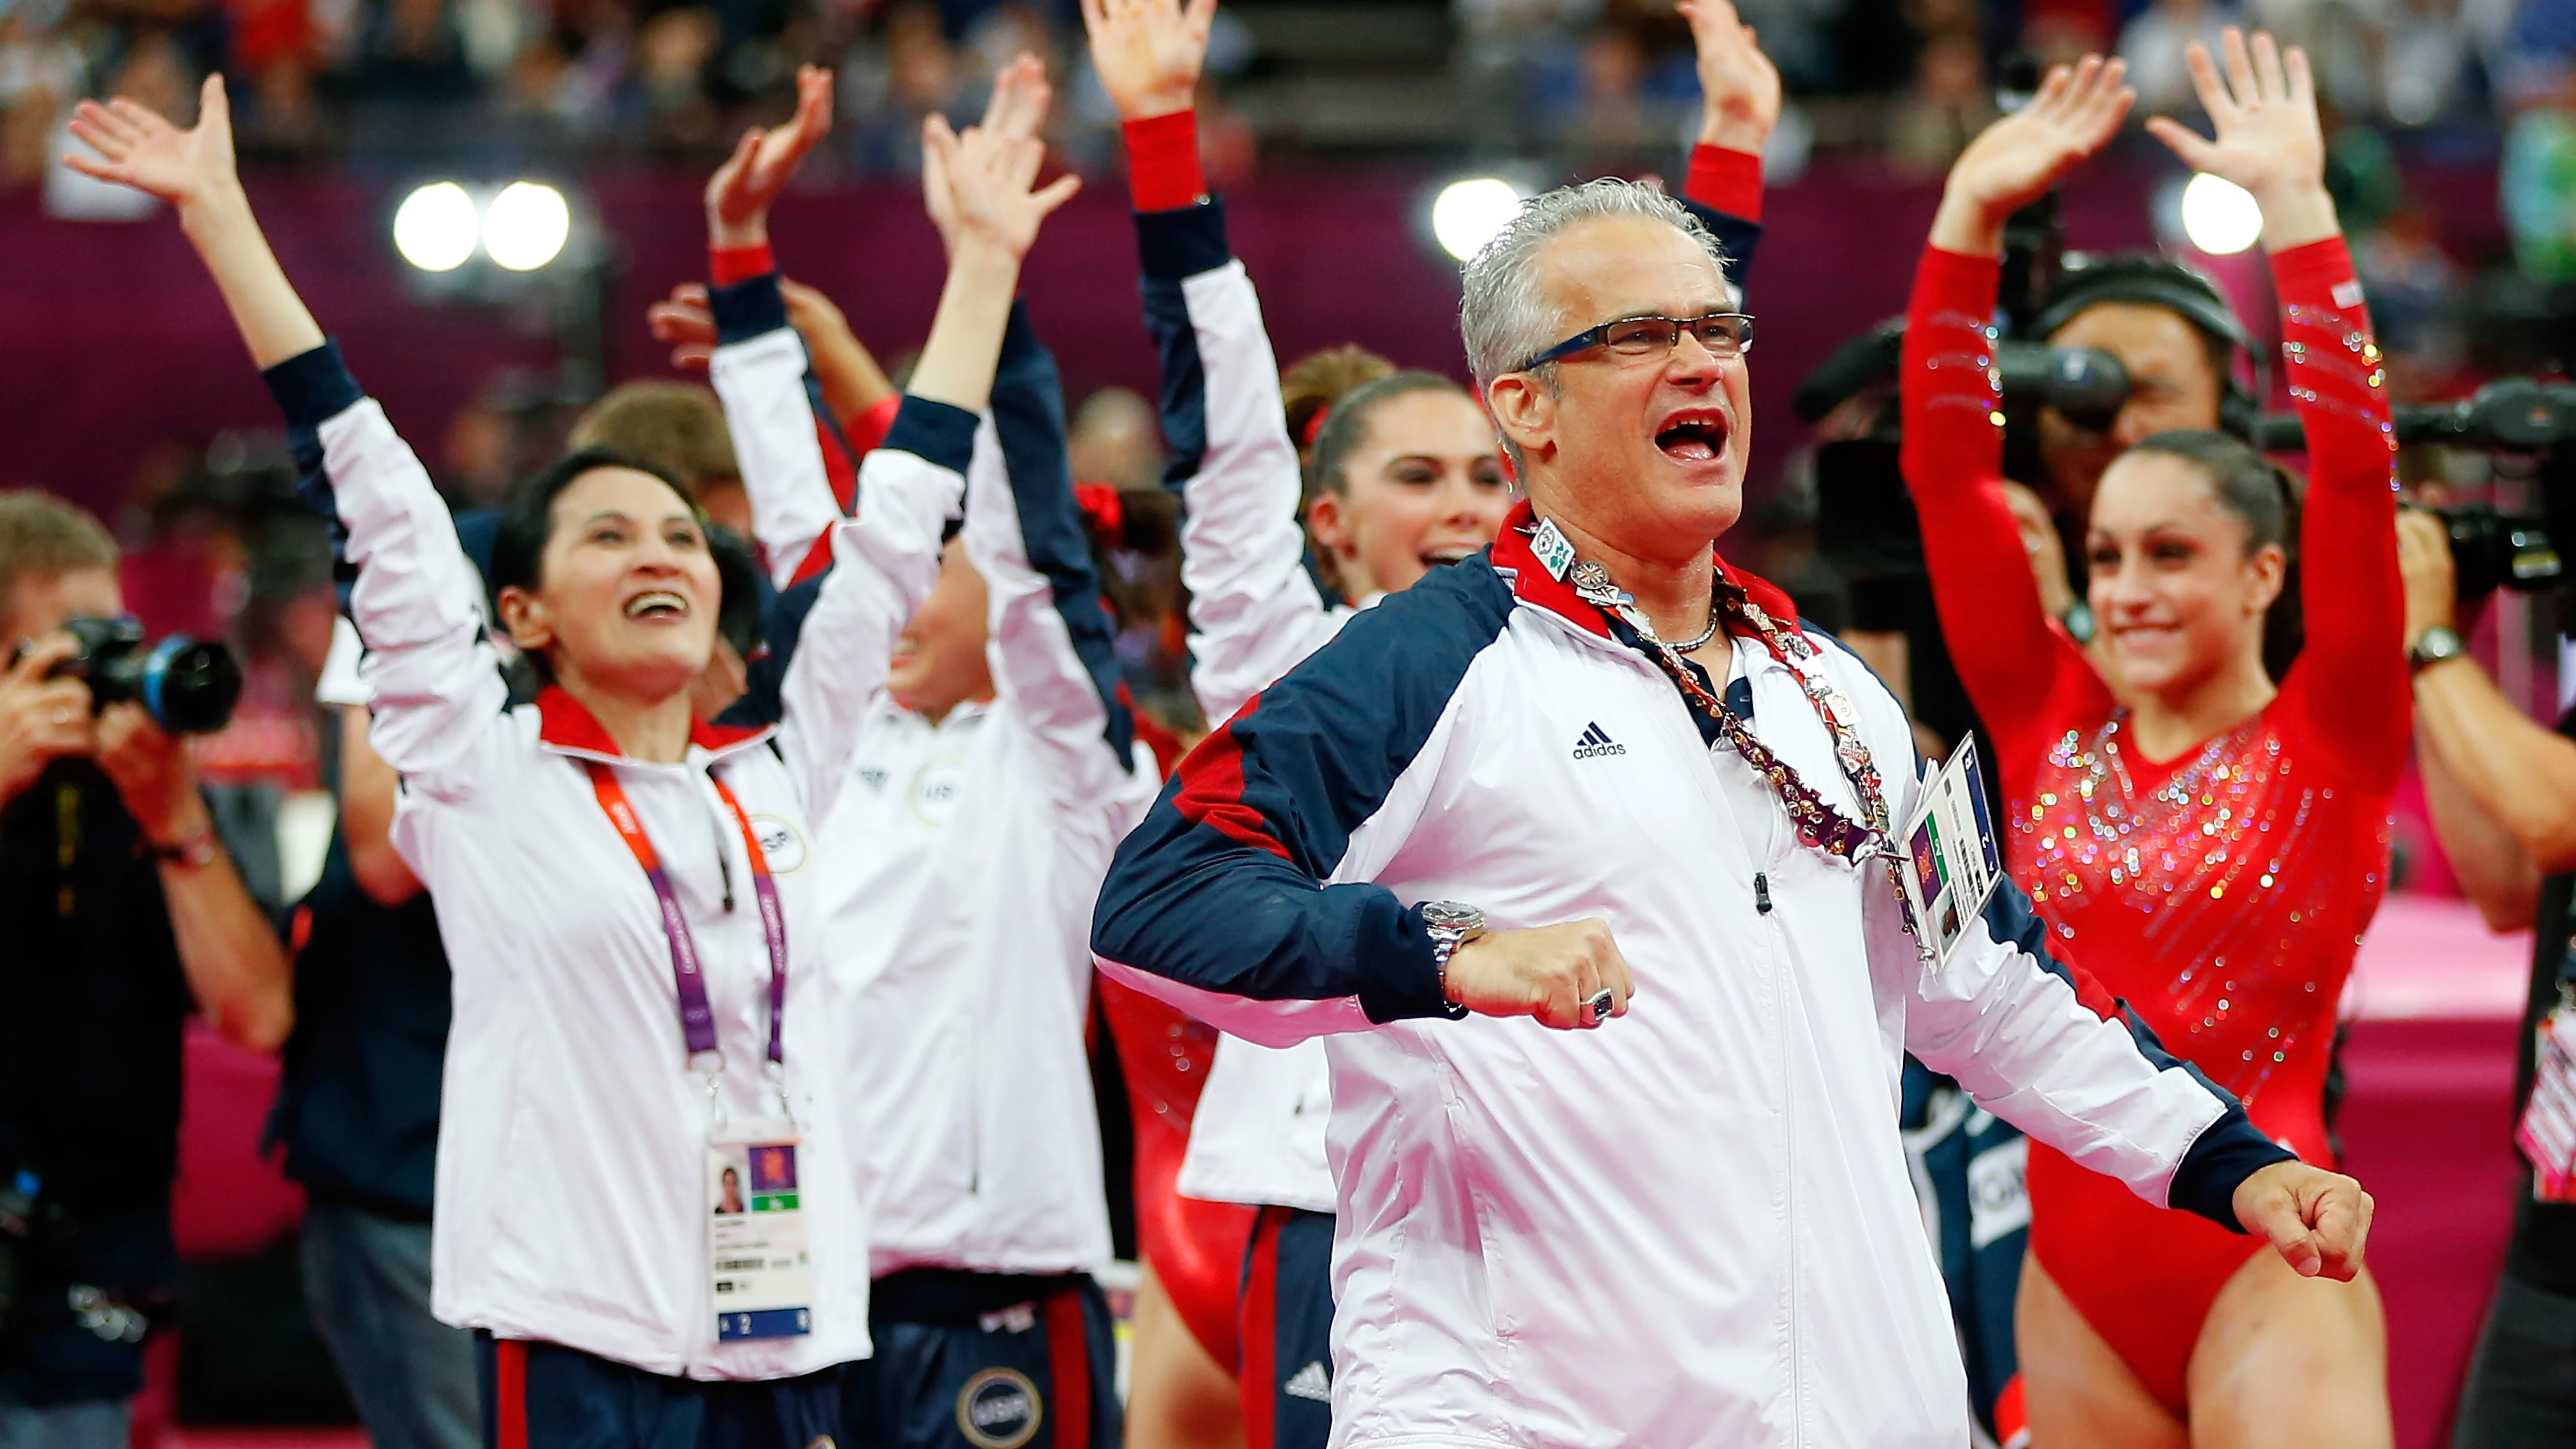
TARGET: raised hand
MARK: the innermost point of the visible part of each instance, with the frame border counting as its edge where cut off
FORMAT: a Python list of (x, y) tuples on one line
[(851, 380), (987, 176), (1148, 52), (138, 147), (1017, 110), (2268, 141), (2015, 160), (1739, 87), (740, 193)]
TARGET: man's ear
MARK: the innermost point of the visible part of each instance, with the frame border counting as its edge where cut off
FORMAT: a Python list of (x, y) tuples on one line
[(1523, 411), (523, 618)]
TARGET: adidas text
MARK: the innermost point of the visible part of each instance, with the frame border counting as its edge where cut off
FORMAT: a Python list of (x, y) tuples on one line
[(1595, 743)]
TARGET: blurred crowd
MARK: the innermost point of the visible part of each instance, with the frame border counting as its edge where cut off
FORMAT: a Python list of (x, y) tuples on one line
[(1606, 78)]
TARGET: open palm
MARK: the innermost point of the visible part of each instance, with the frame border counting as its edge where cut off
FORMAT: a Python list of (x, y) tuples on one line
[(2075, 114), (1739, 87), (1148, 52), (2264, 110), (742, 189), (138, 147), (1017, 111), (988, 175)]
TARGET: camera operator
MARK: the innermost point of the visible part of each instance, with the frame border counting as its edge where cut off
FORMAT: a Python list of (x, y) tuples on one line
[(2503, 794), (121, 910)]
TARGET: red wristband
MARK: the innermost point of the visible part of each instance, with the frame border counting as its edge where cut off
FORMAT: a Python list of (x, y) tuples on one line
[(869, 428), (1724, 180), (729, 265), (1163, 162)]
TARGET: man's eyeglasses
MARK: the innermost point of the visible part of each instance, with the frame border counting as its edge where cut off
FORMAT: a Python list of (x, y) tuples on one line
[(1724, 334)]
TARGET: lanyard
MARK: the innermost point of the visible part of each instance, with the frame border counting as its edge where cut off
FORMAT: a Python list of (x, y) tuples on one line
[(697, 1018), (1818, 823)]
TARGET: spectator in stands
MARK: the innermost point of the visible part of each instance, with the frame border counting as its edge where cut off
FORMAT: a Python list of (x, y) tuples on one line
[(2503, 794), (124, 912)]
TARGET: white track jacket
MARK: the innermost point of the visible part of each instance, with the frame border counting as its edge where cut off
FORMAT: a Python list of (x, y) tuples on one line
[(1693, 1226), (964, 855), (571, 1198)]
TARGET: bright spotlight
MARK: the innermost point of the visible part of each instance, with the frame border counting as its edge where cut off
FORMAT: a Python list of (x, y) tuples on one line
[(1468, 213), (2219, 216), (434, 227), (525, 226)]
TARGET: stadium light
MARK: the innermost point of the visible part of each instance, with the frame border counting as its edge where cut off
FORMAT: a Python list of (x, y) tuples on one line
[(2219, 216), (1468, 213), (435, 227), (526, 225)]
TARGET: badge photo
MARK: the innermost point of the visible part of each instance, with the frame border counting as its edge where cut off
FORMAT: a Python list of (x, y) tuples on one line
[(760, 1268)]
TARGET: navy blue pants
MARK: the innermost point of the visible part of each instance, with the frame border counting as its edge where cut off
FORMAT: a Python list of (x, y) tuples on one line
[(546, 1396), (986, 1361), (1287, 1370)]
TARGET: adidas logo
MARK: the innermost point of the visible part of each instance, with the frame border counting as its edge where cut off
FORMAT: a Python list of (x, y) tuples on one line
[(1314, 1381), (1595, 743)]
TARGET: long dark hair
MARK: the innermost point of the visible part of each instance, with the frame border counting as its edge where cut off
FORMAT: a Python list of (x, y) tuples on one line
[(2267, 498)]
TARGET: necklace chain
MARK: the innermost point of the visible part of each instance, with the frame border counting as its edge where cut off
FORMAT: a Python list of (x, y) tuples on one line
[(1819, 824)]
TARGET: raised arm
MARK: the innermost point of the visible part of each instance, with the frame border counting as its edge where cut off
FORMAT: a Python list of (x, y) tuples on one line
[(413, 595), (885, 560), (1054, 644), (1254, 609), (2352, 669), (1739, 104), (2009, 653)]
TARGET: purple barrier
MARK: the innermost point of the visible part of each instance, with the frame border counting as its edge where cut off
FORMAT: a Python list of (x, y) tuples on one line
[(115, 343)]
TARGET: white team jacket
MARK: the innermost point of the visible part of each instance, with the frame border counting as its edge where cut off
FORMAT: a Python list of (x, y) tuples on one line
[(1258, 1132), (1693, 1226), (571, 1198), (965, 855)]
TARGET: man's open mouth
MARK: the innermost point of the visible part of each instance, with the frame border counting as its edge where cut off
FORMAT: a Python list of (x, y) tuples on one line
[(1695, 436)]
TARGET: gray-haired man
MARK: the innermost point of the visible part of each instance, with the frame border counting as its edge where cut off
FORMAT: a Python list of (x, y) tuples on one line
[(1502, 795)]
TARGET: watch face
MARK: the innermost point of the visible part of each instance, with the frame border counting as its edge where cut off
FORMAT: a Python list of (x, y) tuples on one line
[(1451, 914)]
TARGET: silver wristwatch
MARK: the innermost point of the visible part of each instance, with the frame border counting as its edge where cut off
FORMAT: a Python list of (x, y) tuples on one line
[(1450, 926), (2433, 646)]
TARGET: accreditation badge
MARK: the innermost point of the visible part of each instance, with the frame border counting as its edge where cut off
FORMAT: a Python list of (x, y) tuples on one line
[(2547, 1132), (1950, 860), (759, 1261)]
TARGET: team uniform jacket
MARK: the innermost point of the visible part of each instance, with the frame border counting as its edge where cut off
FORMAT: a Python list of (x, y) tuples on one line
[(964, 855), (1255, 613), (1693, 1226), (572, 1205)]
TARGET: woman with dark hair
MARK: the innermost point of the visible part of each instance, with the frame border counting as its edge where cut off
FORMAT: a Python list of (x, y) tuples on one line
[(639, 992), (2206, 841), (1398, 473)]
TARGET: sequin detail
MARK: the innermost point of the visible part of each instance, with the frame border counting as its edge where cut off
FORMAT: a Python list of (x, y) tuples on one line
[(2224, 902)]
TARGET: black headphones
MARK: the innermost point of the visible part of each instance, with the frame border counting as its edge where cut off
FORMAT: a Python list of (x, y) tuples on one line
[(2154, 280)]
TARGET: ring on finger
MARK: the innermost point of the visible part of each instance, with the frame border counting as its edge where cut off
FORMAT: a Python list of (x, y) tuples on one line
[(1599, 1006)]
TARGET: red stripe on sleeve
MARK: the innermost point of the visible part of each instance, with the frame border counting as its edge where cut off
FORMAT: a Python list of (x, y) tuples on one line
[(729, 265), (1724, 180), (1211, 791), (1163, 162), (869, 428), (817, 559)]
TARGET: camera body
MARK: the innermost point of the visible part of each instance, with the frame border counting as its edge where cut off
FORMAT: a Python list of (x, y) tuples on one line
[(188, 686)]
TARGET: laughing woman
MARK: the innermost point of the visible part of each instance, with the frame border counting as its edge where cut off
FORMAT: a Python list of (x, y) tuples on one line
[(638, 954)]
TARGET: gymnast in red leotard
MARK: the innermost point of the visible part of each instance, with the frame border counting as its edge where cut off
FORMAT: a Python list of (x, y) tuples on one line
[(2212, 848)]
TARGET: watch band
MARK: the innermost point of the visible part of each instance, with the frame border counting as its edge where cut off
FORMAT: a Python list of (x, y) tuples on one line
[(1450, 926), (195, 851), (2433, 646)]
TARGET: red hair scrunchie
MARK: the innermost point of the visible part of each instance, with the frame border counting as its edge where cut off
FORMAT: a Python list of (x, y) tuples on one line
[(1103, 510)]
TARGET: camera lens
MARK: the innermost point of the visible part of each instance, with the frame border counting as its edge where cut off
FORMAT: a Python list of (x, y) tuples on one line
[(190, 686)]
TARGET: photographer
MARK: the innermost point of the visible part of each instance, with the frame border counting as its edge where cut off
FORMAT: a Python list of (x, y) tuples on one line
[(2503, 795), (122, 911)]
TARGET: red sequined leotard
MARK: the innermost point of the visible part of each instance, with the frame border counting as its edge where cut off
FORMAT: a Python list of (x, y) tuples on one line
[(2222, 893)]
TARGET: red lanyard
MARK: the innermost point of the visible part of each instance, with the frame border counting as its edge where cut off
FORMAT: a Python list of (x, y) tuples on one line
[(697, 1018)]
